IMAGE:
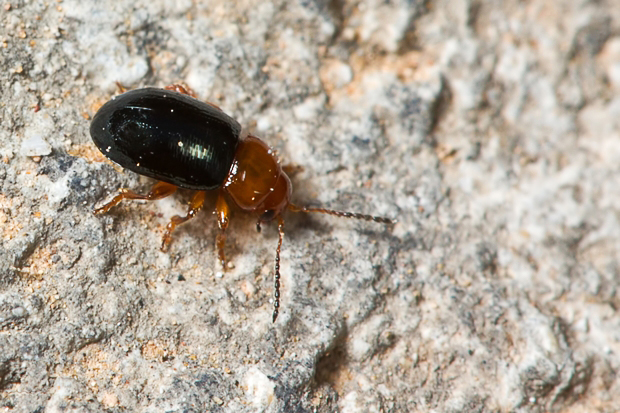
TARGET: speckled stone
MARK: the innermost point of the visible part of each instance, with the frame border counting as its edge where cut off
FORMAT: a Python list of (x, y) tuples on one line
[(490, 130)]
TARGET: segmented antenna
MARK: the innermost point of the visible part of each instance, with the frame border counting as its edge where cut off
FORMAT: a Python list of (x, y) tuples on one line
[(381, 220), (295, 208), (276, 278)]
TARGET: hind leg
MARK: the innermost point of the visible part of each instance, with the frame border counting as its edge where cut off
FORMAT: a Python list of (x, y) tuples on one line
[(158, 191)]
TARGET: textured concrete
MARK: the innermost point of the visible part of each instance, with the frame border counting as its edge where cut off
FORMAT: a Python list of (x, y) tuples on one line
[(491, 130)]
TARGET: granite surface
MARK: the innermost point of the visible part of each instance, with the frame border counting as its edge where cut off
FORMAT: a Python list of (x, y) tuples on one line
[(490, 130)]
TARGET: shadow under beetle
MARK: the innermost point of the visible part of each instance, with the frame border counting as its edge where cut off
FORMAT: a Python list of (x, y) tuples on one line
[(170, 136)]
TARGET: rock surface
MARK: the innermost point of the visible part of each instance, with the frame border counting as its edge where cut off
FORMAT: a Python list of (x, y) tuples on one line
[(491, 130)]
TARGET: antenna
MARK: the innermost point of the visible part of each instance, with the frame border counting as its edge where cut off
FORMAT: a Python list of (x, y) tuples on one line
[(276, 278), (381, 220), (295, 208)]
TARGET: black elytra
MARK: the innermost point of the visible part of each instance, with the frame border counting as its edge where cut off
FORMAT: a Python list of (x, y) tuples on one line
[(167, 136)]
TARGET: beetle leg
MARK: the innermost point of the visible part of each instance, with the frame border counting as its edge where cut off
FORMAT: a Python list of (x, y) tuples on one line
[(187, 91), (158, 191), (223, 212), (195, 205), (292, 169), (176, 87), (120, 87)]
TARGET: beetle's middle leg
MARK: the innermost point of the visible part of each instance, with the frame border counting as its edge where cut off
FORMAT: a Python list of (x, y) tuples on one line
[(175, 87), (195, 205)]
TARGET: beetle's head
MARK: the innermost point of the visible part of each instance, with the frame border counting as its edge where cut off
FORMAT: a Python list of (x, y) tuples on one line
[(276, 200)]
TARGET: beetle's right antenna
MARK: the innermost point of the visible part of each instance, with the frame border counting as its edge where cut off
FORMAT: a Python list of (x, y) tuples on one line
[(276, 281), (382, 220)]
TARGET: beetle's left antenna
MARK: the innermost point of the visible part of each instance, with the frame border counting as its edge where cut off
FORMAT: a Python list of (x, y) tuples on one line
[(381, 220)]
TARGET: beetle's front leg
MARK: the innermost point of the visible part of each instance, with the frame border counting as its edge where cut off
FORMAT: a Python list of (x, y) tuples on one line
[(223, 213)]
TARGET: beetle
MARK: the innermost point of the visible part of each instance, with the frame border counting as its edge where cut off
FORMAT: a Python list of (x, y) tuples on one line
[(182, 142)]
